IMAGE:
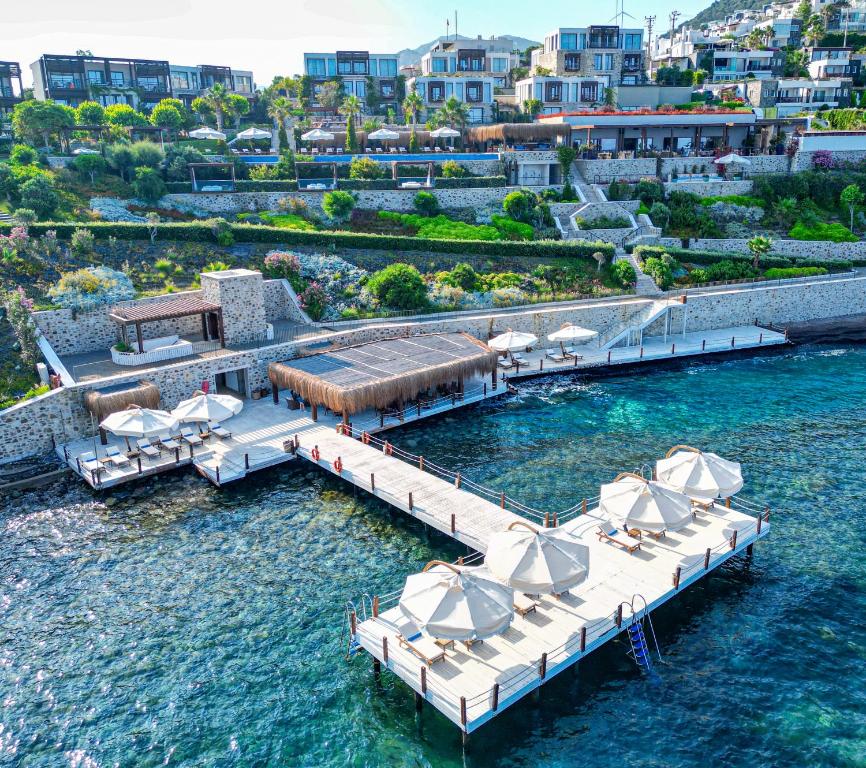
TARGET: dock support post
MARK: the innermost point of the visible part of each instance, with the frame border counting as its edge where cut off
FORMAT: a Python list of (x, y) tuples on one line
[(190, 451), (542, 671), (540, 364), (276, 395), (375, 606), (314, 412), (385, 650), (421, 463), (760, 338), (247, 462), (502, 500), (457, 481), (641, 354), (493, 379), (707, 559), (750, 549), (619, 616), (582, 639), (608, 357), (760, 520), (372, 482), (547, 519), (495, 703), (734, 540), (411, 505), (177, 455), (728, 502), (138, 461), (465, 739), (677, 577), (218, 475), (463, 714), (704, 345), (485, 389), (673, 349), (583, 507), (381, 418), (424, 680), (419, 702), (353, 622), (555, 520), (732, 342), (377, 669), (453, 523)]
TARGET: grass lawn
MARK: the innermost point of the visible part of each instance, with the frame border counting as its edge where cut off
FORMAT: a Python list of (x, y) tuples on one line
[(288, 221)]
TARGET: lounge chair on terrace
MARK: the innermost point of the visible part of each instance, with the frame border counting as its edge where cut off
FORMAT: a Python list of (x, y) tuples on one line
[(117, 458), (329, 151), (402, 150), (423, 647), (190, 437), (426, 149), (90, 463), (517, 356), (554, 355), (506, 363), (437, 149), (613, 535), (147, 448), (219, 430), (168, 442), (314, 151), (392, 151), (368, 150), (305, 151), (524, 604), (378, 150), (245, 151)]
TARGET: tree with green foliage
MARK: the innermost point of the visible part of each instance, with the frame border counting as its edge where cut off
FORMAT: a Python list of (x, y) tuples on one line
[(426, 203), (39, 195), (148, 184), (463, 276), (331, 94), (609, 99), (365, 168), (803, 10), (351, 108), (147, 153), (23, 154), (121, 158), (532, 107), (202, 109), (520, 205), (338, 205), (280, 110), (24, 217), (167, 116), (624, 273), (238, 106), (33, 119), (660, 214), (850, 198), (123, 114), (659, 269), (759, 246), (398, 286), (90, 113), (217, 98), (566, 156), (455, 112), (89, 165)]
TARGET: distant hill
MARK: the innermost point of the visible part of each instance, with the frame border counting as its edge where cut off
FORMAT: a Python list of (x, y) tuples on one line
[(717, 10), (412, 56)]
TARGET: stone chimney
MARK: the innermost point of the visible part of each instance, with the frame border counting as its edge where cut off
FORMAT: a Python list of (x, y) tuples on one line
[(240, 293)]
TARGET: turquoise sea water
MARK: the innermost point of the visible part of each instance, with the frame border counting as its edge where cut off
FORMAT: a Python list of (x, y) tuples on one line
[(188, 626)]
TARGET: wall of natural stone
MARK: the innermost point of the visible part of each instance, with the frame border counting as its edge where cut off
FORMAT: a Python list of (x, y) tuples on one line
[(813, 249), (281, 302), (240, 293), (604, 171), (710, 188), (377, 200), (803, 160)]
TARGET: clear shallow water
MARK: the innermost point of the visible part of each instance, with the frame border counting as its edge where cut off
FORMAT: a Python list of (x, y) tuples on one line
[(189, 626)]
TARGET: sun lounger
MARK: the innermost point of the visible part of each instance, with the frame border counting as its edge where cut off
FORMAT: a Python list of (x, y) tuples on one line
[(554, 355), (117, 458), (524, 604), (402, 150), (425, 149), (392, 151), (314, 151), (506, 363), (329, 151), (219, 430), (168, 442), (517, 356), (90, 463), (190, 437), (258, 151), (423, 647), (437, 149), (368, 150), (245, 151), (617, 537), (379, 150), (147, 448)]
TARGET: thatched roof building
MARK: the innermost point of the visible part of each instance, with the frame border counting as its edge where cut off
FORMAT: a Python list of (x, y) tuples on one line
[(102, 402), (514, 133), (377, 374)]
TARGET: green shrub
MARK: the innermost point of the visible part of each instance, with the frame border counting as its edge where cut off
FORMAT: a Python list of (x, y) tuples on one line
[(649, 191), (727, 270), (82, 242), (512, 230), (38, 195), (23, 154), (426, 203), (148, 184), (461, 276), (520, 204), (221, 231), (605, 222), (659, 271), (451, 169), (365, 168), (338, 204), (690, 256), (398, 286), (835, 232), (745, 200), (619, 190), (624, 273), (778, 273)]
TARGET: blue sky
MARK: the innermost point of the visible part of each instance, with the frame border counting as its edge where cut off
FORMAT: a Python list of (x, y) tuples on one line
[(270, 36)]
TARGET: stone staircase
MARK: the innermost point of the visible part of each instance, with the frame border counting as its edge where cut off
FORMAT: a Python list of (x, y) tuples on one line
[(645, 285), (5, 218)]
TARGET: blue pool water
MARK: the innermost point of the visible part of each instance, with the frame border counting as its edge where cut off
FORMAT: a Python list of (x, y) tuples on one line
[(384, 157), (177, 624)]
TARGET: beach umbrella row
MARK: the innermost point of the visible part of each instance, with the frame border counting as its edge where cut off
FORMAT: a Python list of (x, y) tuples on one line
[(149, 422)]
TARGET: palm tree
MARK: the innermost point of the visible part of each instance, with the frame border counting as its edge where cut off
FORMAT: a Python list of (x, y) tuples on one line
[(455, 112), (351, 108), (412, 106), (279, 111), (217, 98), (813, 29)]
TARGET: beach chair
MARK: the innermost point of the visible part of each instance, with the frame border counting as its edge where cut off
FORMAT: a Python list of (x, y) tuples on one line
[(524, 604), (168, 442), (569, 352), (258, 151), (245, 151), (554, 355), (219, 430), (368, 150), (506, 363), (90, 463), (117, 458), (425, 149), (619, 538), (190, 437), (305, 151), (392, 151), (423, 647), (437, 149), (329, 151), (314, 151), (402, 150), (147, 448), (378, 150), (517, 356)]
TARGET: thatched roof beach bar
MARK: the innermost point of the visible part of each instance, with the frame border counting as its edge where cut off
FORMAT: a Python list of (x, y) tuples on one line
[(382, 373), (514, 134)]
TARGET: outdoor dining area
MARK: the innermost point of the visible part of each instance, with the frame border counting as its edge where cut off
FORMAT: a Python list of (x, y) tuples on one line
[(473, 636), (134, 437)]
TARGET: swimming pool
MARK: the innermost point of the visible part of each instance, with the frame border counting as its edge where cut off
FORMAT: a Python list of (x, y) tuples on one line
[(419, 157)]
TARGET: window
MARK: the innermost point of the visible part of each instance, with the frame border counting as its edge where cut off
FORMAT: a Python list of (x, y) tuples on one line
[(62, 80), (117, 79), (180, 80), (344, 67), (316, 67), (387, 67), (476, 115), (500, 65), (631, 42), (150, 83), (631, 62), (572, 62), (568, 41), (603, 61), (95, 77), (243, 84), (629, 80), (440, 65), (359, 67), (436, 91), (386, 88), (553, 91), (589, 91), (474, 92)]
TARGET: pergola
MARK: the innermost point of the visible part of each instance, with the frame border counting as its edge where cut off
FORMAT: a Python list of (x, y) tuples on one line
[(169, 309), (428, 183), (315, 182), (230, 166)]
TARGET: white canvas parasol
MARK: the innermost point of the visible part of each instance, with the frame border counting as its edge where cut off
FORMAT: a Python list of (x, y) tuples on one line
[(512, 341), (699, 475), (732, 159), (139, 422), (207, 133), (384, 134), (444, 133), (453, 603), (635, 502), (317, 134), (537, 561), (253, 133), (202, 407)]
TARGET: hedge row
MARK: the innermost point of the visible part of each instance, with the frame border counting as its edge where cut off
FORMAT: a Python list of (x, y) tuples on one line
[(714, 257), (248, 185), (245, 233)]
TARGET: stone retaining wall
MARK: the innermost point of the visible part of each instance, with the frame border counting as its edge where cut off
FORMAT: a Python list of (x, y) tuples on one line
[(710, 188), (813, 249), (803, 160), (604, 171), (377, 200)]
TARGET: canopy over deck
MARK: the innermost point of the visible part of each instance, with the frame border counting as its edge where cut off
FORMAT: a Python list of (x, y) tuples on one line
[(509, 133), (377, 374), (180, 306)]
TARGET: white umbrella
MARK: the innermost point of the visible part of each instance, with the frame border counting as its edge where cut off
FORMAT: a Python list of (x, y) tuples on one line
[(444, 133), (537, 560), (317, 134), (572, 333), (733, 159), (699, 475), (82, 151), (202, 407), (253, 133), (207, 133), (512, 341), (454, 603), (635, 502), (384, 134), (139, 422)]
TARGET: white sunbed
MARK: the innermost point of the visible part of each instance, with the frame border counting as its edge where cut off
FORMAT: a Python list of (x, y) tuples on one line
[(148, 448), (402, 150), (619, 538), (506, 363), (89, 462), (219, 430), (437, 149), (117, 458), (524, 604), (424, 648), (426, 149), (168, 442), (190, 437), (554, 355)]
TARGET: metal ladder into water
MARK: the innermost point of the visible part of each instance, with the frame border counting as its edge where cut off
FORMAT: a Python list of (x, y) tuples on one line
[(638, 639)]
